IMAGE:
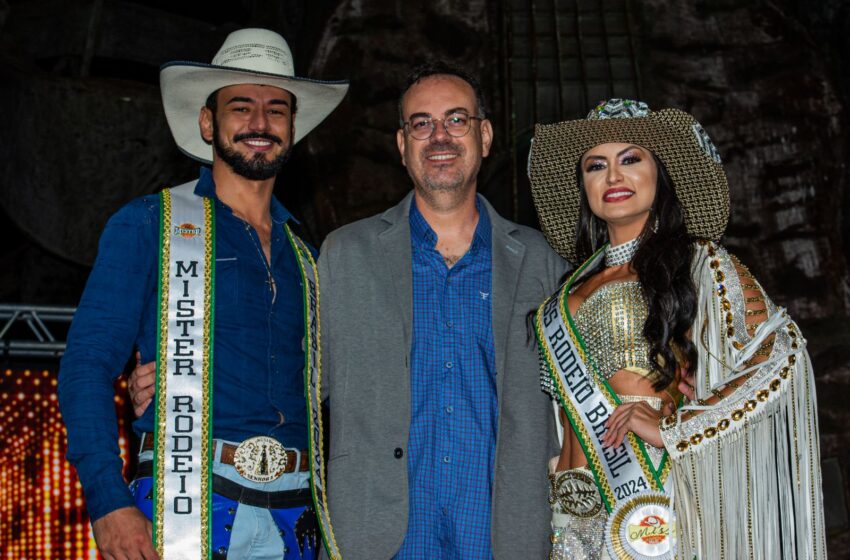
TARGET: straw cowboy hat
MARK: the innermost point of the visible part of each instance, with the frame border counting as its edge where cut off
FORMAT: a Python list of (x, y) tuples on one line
[(248, 56), (673, 135)]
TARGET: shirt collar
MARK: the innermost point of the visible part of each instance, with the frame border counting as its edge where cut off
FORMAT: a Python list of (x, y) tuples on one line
[(420, 232), (484, 230), (423, 236), (206, 188)]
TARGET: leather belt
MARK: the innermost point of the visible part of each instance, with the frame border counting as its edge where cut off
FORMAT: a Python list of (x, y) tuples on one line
[(228, 454), (284, 499)]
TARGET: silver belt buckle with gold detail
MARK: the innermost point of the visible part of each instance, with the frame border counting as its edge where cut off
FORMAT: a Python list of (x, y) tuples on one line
[(260, 459), (576, 493)]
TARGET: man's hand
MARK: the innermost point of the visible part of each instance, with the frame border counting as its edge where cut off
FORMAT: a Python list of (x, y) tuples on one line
[(124, 534), (141, 385)]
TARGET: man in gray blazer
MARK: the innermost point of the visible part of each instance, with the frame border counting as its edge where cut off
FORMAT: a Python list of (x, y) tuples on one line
[(440, 434)]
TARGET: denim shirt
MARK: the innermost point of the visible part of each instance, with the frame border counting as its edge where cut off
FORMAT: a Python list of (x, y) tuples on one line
[(258, 359)]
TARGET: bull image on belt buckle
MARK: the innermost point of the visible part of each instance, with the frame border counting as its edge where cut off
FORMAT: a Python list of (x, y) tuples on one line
[(260, 459)]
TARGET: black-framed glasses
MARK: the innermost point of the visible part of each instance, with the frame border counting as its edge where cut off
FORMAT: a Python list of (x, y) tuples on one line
[(457, 124)]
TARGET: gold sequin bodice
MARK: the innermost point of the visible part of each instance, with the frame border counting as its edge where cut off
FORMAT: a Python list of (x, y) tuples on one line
[(610, 322)]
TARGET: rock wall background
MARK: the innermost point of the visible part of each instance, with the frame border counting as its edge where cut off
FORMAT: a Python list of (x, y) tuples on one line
[(768, 80), (82, 132)]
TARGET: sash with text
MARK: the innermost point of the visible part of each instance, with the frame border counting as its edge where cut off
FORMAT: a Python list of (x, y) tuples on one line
[(184, 369)]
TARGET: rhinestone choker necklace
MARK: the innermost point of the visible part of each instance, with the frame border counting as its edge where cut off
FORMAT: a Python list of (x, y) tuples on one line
[(621, 254)]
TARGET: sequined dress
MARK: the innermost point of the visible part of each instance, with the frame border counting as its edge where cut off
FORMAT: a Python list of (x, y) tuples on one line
[(610, 323)]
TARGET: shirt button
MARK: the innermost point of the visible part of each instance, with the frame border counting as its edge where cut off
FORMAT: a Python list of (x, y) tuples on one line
[(449, 365), (398, 453), (447, 459), (449, 324), (450, 409)]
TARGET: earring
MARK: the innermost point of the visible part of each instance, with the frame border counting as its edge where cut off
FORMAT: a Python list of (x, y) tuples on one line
[(655, 225)]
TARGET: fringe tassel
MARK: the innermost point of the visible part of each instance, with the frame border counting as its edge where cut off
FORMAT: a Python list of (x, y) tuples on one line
[(748, 495), (751, 489)]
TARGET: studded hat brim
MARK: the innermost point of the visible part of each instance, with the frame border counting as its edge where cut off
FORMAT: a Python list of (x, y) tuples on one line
[(671, 134), (185, 87)]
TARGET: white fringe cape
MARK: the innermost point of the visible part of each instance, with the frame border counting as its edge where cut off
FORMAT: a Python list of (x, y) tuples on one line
[(746, 474)]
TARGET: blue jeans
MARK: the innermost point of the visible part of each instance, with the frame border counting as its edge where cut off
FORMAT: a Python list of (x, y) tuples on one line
[(240, 531)]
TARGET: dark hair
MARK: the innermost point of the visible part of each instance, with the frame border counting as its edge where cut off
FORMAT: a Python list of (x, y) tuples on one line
[(663, 266), (212, 102), (441, 68)]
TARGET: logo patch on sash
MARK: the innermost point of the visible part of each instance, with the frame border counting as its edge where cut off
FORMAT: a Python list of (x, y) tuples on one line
[(187, 230)]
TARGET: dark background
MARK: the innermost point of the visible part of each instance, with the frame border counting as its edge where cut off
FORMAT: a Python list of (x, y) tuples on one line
[(82, 129)]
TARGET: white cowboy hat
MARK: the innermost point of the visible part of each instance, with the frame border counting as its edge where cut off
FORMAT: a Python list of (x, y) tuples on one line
[(248, 56)]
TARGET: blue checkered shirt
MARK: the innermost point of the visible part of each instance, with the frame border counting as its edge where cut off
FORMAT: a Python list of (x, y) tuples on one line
[(454, 409)]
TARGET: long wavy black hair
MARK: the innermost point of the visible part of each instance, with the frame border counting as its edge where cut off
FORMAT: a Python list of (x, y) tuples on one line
[(663, 266)]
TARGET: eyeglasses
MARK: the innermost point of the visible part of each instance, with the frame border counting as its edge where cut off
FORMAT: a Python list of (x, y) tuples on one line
[(456, 125)]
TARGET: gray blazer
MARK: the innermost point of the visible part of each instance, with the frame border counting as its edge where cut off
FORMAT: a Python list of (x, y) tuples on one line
[(365, 273)]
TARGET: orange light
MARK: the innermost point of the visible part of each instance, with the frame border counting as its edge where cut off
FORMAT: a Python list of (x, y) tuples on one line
[(37, 485)]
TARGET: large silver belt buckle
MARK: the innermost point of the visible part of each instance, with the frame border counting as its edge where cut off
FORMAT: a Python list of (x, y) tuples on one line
[(575, 492), (260, 459)]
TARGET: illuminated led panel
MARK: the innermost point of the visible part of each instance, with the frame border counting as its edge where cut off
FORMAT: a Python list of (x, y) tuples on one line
[(42, 508)]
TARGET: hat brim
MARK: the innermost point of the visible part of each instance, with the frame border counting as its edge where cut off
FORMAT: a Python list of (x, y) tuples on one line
[(699, 180), (185, 87)]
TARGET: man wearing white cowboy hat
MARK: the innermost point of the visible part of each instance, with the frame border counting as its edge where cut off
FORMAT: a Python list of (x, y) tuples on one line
[(208, 280)]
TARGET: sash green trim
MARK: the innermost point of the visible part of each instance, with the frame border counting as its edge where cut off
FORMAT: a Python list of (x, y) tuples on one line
[(209, 302), (161, 330), (312, 391)]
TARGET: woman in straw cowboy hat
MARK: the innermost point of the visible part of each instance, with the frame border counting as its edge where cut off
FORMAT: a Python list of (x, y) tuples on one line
[(730, 470)]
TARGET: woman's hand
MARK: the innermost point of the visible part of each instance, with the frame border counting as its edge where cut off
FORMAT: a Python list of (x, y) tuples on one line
[(637, 417)]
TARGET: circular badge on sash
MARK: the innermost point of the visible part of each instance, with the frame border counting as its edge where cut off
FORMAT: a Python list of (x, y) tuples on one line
[(642, 528)]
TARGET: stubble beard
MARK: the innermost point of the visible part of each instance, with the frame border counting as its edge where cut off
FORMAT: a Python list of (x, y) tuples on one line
[(255, 168), (442, 191)]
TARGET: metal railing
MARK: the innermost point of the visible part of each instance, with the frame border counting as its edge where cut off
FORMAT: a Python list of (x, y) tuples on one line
[(34, 331)]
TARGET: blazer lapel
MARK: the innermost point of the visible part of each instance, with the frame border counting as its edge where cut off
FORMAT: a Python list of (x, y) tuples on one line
[(508, 254), (396, 262)]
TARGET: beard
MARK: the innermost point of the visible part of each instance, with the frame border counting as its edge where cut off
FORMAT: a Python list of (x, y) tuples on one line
[(255, 168), (443, 188), (440, 180)]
